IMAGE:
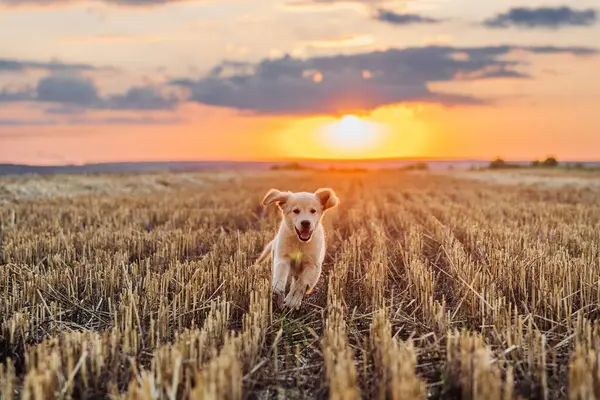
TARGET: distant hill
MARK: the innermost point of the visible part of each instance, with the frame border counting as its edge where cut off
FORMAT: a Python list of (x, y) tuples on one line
[(192, 166)]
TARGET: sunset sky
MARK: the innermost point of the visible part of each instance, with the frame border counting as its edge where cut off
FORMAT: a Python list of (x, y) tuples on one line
[(86, 81)]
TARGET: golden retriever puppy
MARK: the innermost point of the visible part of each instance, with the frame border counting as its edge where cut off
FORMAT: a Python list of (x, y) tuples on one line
[(298, 249)]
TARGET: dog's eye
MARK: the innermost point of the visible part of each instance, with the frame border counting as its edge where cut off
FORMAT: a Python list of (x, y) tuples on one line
[(312, 211), (296, 211)]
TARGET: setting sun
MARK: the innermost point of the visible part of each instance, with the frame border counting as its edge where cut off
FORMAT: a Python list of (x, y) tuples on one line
[(351, 135)]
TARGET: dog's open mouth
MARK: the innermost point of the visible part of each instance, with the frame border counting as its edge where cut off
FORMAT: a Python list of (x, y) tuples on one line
[(304, 235)]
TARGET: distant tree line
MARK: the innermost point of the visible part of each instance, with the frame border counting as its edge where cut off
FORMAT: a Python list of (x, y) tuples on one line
[(295, 166), (499, 163), (418, 166), (548, 162)]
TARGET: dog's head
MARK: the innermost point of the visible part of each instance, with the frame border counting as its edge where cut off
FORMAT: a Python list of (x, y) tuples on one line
[(302, 212)]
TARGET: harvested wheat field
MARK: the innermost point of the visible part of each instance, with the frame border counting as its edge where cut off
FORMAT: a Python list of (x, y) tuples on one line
[(434, 286)]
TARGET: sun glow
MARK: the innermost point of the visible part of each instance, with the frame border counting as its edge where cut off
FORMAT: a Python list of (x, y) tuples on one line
[(351, 135), (383, 133)]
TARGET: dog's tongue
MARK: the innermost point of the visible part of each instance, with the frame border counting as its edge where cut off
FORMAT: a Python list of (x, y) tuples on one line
[(305, 235)]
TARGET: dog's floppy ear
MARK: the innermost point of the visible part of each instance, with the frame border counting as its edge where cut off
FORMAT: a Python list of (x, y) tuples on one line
[(327, 197), (275, 196)]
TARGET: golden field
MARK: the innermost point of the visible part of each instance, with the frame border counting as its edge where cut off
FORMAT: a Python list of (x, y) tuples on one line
[(434, 286)]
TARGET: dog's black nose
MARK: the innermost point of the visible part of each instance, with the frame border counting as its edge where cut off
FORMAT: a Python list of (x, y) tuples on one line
[(305, 224)]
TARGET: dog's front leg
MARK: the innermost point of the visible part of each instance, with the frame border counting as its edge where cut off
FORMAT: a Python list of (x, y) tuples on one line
[(302, 285), (281, 271)]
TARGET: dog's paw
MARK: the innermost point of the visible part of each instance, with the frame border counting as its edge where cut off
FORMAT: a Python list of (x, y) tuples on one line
[(294, 299), (279, 286)]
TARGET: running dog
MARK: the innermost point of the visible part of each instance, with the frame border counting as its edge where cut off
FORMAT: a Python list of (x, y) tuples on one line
[(298, 249)]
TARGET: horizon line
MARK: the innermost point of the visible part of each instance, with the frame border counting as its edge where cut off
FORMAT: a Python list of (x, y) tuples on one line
[(295, 159)]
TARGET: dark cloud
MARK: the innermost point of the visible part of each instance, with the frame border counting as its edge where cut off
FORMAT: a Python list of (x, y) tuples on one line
[(345, 83), (394, 18), (142, 98), (293, 86), (495, 73), (73, 93), (542, 17), (55, 66), (76, 90), (318, 85), (144, 120)]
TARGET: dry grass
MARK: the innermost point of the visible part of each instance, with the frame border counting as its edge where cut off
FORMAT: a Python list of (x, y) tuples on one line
[(536, 178), (145, 287)]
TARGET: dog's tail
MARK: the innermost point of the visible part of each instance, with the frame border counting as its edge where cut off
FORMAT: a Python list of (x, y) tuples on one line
[(266, 252)]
